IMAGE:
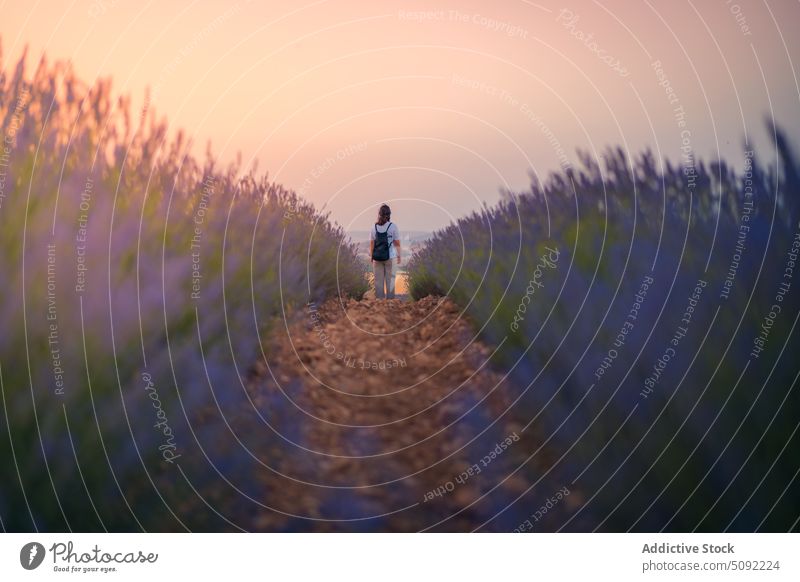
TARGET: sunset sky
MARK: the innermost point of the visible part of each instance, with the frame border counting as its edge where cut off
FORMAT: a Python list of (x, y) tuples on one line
[(433, 106)]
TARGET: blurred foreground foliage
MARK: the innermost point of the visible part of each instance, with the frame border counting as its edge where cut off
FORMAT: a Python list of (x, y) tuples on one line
[(697, 436), (137, 284)]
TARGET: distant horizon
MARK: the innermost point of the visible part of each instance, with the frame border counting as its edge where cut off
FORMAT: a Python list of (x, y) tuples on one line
[(414, 236), (404, 232)]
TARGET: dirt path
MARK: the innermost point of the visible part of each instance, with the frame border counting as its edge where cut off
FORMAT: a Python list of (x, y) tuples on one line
[(396, 422)]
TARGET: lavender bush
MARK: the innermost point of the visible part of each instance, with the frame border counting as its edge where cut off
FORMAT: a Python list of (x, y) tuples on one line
[(137, 285), (635, 307)]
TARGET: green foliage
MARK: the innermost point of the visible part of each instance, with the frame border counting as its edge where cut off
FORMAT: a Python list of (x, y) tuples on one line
[(125, 257)]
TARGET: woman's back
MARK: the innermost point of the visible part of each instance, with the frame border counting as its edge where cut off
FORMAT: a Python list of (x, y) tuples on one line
[(384, 250)]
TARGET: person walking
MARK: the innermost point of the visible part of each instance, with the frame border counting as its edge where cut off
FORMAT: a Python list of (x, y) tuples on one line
[(384, 248)]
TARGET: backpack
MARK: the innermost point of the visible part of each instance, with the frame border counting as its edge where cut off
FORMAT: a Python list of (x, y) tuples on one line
[(380, 252)]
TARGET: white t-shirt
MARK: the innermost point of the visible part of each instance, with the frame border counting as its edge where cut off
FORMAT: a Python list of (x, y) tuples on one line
[(394, 234)]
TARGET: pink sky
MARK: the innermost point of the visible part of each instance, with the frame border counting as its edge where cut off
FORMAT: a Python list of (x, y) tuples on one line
[(433, 106)]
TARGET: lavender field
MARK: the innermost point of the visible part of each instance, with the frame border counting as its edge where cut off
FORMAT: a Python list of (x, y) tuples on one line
[(172, 329), (647, 314), (138, 285)]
